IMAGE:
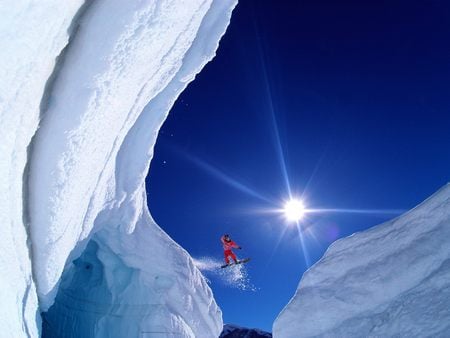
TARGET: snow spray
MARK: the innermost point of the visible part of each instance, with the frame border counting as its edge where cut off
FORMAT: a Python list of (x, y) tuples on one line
[(235, 276)]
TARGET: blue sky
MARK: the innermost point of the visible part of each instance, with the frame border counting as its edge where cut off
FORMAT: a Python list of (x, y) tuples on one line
[(348, 102)]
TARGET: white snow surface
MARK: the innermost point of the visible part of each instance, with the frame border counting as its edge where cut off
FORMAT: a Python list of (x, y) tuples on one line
[(84, 89), (28, 50), (390, 281)]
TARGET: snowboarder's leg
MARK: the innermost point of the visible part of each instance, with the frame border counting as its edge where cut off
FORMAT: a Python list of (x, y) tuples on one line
[(233, 256), (226, 254)]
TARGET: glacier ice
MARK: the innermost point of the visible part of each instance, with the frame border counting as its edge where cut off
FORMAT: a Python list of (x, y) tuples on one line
[(28, 53), (391, 280), (85, 87)]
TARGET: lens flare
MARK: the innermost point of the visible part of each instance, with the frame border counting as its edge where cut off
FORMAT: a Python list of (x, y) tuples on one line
[(294, 210)]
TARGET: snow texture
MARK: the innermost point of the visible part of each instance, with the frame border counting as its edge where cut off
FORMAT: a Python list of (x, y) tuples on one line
[(28, 53), (84, 89), (392, 280)]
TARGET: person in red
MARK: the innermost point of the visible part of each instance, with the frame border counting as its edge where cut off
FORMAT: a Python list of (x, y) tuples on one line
[(228, 244)]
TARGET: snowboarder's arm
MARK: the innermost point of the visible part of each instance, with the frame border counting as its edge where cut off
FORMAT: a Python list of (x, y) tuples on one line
[(234, 245)]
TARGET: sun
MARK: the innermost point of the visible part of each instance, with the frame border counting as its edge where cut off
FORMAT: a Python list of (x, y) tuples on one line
[(294, 210)]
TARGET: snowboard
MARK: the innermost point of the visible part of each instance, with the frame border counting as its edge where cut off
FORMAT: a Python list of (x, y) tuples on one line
[(241, 261)]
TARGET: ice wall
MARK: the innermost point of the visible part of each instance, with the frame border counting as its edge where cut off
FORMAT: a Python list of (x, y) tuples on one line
[(31, 38), (392, 280), (98, 78)]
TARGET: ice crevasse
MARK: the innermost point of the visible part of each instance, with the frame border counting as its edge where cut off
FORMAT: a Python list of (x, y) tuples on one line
[(84, 89)]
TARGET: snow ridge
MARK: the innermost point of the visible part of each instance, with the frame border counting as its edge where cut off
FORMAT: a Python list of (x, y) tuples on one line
[(99, 79), (72, 30), (393, 279)]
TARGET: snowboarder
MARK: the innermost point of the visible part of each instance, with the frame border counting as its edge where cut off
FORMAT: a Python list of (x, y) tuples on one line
[(228, 244)]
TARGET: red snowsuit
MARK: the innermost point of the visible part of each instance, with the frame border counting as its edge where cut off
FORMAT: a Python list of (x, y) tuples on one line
[(227, 246)]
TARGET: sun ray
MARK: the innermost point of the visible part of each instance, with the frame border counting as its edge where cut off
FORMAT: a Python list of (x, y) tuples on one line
[(271, 107), (303, 245), (223, 177), (359, 211)]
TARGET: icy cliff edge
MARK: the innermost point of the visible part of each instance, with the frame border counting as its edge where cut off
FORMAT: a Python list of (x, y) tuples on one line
[(392, 280), (84, 91)]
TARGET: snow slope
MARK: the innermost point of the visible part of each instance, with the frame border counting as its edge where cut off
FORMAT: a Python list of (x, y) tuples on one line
[(85, 87), (391, 280)]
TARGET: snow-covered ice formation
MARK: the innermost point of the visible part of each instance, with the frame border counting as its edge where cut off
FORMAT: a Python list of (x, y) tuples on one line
[(390, 281), (84, 89)]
